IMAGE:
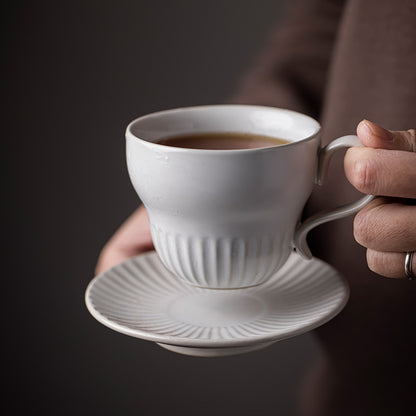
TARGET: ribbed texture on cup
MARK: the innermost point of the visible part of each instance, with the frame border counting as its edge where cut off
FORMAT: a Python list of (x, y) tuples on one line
[(218, 262)]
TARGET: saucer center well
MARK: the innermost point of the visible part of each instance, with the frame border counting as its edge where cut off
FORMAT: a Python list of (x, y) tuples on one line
[(216, 309)]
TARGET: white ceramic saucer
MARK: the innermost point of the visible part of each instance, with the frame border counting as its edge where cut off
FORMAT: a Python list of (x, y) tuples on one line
[(141, 298)]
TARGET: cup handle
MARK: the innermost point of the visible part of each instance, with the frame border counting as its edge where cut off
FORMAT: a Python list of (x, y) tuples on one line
[(324, 157)]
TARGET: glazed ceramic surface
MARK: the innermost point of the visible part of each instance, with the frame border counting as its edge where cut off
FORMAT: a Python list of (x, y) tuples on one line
[(141, 298), (226, 218)]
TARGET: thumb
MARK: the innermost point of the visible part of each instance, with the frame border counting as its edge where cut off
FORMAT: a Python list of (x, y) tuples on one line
[(372, 135)]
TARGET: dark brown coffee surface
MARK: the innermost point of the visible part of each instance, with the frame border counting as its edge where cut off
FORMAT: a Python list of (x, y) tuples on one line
[(222, 141)]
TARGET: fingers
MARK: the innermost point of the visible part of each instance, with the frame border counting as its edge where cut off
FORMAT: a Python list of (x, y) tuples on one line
[(382, 172), (131, 239), (372, 135), (109, 257), (388, 264), (385, 225), (386, 165), (388, 229)]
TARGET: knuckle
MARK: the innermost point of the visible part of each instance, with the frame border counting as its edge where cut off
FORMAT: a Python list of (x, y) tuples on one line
[(108, 250), (379, 263), (362, 227), (364, 176), (373, 261), (104, 253), (386, 264)]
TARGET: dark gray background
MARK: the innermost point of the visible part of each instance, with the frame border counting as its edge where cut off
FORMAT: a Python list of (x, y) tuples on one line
[(73, 75)]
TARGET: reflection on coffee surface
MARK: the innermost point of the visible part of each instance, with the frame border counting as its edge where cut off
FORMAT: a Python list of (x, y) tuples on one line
[(222, 141)]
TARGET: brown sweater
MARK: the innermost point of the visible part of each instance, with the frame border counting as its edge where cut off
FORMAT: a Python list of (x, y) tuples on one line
[(340, 62)]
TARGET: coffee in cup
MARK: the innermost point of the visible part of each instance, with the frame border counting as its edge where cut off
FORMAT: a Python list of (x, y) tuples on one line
[(222, 141)]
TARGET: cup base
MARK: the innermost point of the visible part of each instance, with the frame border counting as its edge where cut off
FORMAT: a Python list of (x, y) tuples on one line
[(221, 288), (214, 352)]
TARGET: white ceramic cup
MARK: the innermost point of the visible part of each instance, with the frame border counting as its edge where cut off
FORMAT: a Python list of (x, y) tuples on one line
[(230, 218)]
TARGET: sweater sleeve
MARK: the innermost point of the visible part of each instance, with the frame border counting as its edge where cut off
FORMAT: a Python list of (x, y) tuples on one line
[(291, 70)]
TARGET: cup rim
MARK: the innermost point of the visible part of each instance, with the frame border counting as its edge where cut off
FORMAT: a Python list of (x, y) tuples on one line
[(159, 147)]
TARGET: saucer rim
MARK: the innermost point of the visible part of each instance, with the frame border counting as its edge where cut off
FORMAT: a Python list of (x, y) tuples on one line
[(213, 343)]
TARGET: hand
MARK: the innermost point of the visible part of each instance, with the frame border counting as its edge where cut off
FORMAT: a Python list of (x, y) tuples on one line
[(385, 167), (131, 239)]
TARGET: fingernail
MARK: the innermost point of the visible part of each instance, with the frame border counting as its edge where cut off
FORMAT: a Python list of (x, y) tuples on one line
[(378, 131)]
